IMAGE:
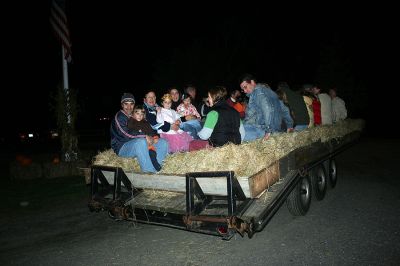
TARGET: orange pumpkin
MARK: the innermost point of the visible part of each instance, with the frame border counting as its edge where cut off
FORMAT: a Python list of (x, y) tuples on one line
[(56, 160), (19, 158), (26, 161)]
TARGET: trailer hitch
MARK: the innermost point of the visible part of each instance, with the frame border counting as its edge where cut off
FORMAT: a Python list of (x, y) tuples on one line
[(117, 209), (120, 212), (95, 206), (241, 226), (233, 223)]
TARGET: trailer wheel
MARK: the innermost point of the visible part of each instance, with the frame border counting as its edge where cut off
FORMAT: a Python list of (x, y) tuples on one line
[(299, 199), (318, 182), (332, 173)]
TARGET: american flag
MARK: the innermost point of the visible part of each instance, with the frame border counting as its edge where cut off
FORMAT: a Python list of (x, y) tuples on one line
[(58, 21)]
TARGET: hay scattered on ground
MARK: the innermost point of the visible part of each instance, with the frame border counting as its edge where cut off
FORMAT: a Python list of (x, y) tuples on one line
[(245, 159)]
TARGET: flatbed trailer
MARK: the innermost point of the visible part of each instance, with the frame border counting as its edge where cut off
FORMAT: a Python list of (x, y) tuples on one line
[(218, 203)]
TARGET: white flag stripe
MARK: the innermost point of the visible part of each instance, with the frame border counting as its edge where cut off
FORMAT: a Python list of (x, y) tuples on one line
[(59, 24), (58, 21), (64, 39), (60, 11)]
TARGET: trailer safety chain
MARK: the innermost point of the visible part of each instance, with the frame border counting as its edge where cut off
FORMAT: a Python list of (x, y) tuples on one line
[(95, 206), (233, 223), (132, 218), (129, 204), (119, 211), (240, 226)]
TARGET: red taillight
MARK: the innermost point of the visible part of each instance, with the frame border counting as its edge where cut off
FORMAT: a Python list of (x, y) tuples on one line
[(222, 230)]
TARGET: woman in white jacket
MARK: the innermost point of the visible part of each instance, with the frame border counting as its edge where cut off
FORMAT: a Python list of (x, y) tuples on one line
[(339, 111), (178, 139)]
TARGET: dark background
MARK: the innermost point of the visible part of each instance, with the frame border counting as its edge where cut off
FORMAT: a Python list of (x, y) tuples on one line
[(118, 47)]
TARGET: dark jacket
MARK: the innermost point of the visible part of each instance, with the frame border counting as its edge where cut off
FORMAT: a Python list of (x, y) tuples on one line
[(141, 127), (298, 106), (151, 117), (175, 105), (227, 127), (120, 133)]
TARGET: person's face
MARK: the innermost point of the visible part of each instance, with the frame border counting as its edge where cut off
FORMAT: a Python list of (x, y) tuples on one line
[(332, 93), (315, 90), (138, 115), (175, 95), (237, 94), (150, 98), (167, 104), (192, 93), (210, 100), (186, 101), (248, 87), (127, 107)]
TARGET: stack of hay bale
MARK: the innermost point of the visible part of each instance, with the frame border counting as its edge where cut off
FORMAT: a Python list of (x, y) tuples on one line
[(245, 159)]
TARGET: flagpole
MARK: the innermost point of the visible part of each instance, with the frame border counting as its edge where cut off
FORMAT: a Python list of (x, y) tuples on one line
[(66, 105), (65, 81), (70, 152)]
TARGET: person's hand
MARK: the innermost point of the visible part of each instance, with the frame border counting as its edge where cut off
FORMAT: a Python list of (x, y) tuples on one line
[(158, 109), (189, 117), (290, 130), (266, 136), (150, 140), (175, 127)]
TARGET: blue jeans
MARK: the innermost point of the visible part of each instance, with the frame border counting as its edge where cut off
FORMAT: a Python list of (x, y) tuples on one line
[(192, 127), (138, 148), (252, 132), (300, 127)]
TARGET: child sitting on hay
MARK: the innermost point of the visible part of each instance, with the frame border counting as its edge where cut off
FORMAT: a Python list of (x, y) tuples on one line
[(139, 124), (178, 140), (189, 116)]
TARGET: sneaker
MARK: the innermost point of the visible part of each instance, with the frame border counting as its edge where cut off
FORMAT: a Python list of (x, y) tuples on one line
[(153, 158)]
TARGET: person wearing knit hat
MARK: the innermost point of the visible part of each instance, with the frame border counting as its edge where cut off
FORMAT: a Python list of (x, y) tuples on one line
[(130, 143), (127, 97)]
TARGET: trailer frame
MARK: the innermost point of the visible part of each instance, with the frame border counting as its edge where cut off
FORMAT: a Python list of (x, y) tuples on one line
[(222, 216)]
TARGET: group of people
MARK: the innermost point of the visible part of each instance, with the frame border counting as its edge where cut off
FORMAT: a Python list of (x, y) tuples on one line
[(324, 108), (149, 131)]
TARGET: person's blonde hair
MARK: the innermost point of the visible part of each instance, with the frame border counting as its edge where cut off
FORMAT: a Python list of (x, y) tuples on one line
[(166, 96)]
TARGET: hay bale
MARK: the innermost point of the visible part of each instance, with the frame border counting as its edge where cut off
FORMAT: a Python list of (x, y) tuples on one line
[(109, 158), (245, 159)]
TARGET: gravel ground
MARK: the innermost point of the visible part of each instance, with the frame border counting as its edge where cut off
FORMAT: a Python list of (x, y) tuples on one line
[(358, 223)]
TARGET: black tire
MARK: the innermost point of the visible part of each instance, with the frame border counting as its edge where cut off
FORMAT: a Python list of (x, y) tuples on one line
[(299, 199), (319, 182), (332, 170)]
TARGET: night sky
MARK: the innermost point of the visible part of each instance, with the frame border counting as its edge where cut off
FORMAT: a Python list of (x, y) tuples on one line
[(117, 47)]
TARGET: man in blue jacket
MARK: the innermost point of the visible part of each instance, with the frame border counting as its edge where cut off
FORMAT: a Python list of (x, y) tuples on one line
[(264, 114), (127, 143)]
